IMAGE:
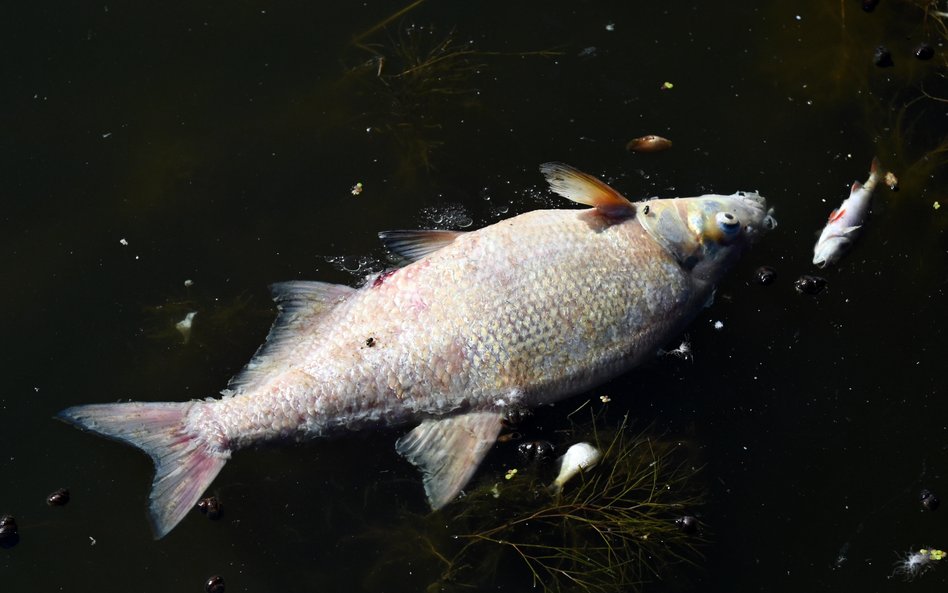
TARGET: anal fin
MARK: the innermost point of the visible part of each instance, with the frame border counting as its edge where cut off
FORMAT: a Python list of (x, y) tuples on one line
[(448, 451)]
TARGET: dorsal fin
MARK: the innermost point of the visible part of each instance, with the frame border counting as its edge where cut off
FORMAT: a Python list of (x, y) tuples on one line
[(301, 304), (448, 451), (581, 187), (414, 245)]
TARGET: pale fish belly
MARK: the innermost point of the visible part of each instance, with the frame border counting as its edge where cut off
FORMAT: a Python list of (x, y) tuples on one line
[(524, 312)]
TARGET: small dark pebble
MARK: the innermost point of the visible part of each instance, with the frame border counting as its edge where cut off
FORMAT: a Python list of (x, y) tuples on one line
[(929, 500), (687, 524), (924, 52), (882, 57), (370, 342), (9, 534), (58, 498), (810, 285), (215, 584), (869, 5), (765, 275), (211, 507), (535, 451)]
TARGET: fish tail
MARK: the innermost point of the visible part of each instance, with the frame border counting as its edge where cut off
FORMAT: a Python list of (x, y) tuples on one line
[(185, 462)]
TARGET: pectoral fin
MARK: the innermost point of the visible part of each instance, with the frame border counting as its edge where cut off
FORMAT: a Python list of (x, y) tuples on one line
[(448, 451)]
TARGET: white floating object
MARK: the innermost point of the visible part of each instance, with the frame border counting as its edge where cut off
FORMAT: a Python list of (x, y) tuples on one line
[(579, 457), (188, 283), (184, 326)]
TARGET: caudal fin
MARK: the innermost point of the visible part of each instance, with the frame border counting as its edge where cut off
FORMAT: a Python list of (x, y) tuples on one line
[(184, 464)]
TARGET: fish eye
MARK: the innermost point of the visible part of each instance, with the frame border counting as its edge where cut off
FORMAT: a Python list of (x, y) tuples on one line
[(728, 223)]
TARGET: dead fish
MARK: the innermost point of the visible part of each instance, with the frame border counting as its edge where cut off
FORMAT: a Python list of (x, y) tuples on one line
[(579, 457), (846, 221), (650, 143), (478, 326)]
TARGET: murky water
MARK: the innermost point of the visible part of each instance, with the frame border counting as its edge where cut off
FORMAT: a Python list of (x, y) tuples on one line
[(150, 146)]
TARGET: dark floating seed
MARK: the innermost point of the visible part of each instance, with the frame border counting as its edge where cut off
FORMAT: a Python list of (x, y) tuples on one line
[(531, 451), (929, 500), (810, 285), (924, 52), (211, 507), (765, 275), (687, 524), (882, 57), (9, 534), (58, 498), (215, 584), (869, 5)]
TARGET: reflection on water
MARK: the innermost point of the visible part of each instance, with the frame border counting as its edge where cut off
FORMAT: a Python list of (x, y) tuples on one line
[(222, 144)]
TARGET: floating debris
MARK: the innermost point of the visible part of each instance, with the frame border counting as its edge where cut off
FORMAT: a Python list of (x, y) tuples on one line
[(211, 507), (184, 326), (511, 474), (534, 451), (719, 325), (188, 283), (667, 86), (356, 189), (649, 143), (579, 457), (929, 500), (58, 498), (687, 524), (811, 285), (765, 275), (123, 241), (915, 564), (9, 534), (892, 181), (936, 205), (215, 584), (605, 399), (924, 52), (882, 57), (683, 351)]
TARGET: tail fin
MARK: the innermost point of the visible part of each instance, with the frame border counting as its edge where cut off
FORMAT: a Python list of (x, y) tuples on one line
[(184, 463)]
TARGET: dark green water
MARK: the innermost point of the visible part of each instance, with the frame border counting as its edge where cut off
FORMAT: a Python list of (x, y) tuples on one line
[(221, 142)]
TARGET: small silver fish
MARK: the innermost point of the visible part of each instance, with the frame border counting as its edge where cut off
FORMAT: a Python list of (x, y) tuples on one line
[(477, 326), (846, 221), (579, 457)]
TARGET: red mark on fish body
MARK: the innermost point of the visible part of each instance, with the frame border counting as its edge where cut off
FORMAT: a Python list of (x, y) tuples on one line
[(836, 215), (381, 278)]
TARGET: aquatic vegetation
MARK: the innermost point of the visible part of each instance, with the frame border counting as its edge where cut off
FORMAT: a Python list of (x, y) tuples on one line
[(615, 527), (417, 76)]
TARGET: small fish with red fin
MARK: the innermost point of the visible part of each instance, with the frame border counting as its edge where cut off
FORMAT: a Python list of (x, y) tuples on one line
[(846, 221)]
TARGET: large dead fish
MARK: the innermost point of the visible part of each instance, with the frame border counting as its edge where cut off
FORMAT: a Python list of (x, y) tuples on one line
[(524, 312)]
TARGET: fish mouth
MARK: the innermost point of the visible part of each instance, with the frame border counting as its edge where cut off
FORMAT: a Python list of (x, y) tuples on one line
[(757, 205)]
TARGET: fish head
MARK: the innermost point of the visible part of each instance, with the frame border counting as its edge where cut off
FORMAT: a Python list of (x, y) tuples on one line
[(706, 233)]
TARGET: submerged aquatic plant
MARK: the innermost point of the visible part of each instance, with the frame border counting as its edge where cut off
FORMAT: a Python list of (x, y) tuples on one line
[(420, 73), (614, 528)]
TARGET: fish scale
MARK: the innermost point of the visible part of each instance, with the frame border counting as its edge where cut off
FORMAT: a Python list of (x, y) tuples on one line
[(505, 318)]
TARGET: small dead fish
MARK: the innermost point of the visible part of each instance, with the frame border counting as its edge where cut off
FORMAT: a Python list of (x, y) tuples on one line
[(650, 143), (846, 221), (579, 457)]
